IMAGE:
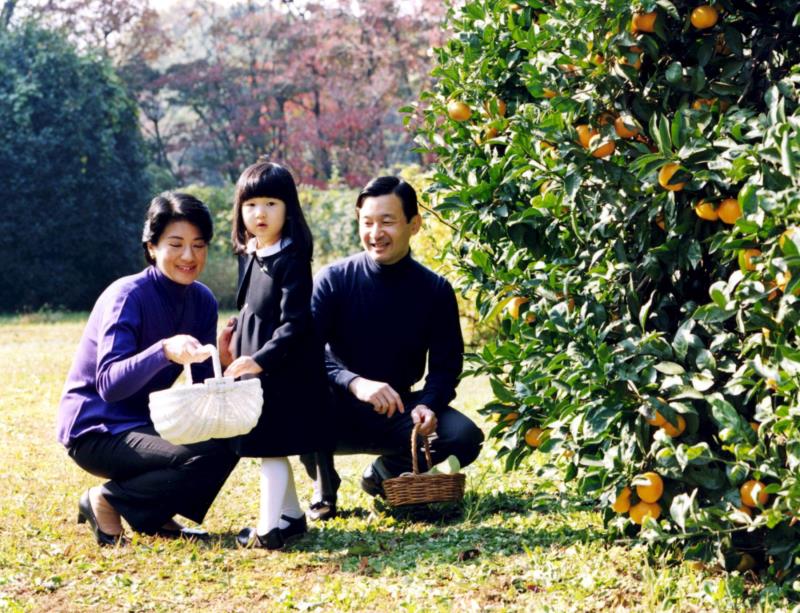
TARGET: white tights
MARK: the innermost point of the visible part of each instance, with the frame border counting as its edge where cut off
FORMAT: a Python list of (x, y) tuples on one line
[(278, 495)]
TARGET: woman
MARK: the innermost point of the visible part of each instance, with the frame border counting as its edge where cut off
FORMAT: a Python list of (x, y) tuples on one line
[(141, 331)]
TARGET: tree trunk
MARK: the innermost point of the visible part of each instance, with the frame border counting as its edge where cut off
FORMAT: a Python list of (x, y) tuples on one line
[(6, 13), (324, 169)]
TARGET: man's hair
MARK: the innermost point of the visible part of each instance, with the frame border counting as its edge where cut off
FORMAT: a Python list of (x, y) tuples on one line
[(390, 185), (174, 206)]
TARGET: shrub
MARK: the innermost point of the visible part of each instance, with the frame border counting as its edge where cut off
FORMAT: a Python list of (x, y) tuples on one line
[(73, 186), (639, 336)]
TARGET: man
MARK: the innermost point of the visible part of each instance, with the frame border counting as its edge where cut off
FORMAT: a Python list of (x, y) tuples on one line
[(381, 315)]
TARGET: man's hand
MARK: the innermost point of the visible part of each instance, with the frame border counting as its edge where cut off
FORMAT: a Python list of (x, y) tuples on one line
[(244, 365), (184, 349), (424, 416), (377, 393), (225, 342)]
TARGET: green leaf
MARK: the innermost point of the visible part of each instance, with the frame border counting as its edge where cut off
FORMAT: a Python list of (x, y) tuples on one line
[(737, 473), (748, 199), (706, 477), (774, 100), (681, 507), (678, 131), (711, 313), (706, 51), (705, 359), (698, 454), (718, 293), (698, 79), (787, 160), (680, 343), (644, 312), (665, 144), (723, 413), (674, 73), (501, 392), (703, 381), (600, 419), (669, 368)]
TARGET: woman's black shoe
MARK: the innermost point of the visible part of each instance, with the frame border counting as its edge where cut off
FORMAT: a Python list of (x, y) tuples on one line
[(248, 537), (86, 514), (297, 527)]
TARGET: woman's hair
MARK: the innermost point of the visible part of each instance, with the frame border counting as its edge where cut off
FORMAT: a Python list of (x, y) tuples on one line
[(174, 206), (268, 180), (391, 185)]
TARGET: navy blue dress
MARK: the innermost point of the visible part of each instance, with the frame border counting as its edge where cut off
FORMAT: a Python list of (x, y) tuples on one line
[(275, 328)]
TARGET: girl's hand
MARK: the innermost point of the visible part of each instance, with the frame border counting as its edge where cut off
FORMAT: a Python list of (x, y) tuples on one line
[(244, 365), (225, 342), (184, 349)]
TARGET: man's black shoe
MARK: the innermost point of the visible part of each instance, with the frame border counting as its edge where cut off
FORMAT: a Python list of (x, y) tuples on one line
[(322, 510), (372, 482)]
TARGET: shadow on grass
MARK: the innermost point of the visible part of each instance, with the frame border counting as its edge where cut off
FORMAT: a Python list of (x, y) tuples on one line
[(442, 533), (373, 549)]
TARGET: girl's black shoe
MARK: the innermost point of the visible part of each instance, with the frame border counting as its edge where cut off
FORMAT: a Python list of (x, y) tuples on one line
[(248, 537), (86, 514), (297, 527)]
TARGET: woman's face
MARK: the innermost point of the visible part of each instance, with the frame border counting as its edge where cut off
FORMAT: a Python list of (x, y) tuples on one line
[(180, 252)]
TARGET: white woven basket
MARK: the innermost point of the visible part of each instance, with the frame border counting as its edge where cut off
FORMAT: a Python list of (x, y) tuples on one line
[(218, 408)]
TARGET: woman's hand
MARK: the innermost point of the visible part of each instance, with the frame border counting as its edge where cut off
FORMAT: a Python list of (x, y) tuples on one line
[(225, 343), (184, 349), (244, 365)]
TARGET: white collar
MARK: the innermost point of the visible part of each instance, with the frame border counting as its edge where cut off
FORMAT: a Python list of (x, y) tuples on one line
[(269, 249)]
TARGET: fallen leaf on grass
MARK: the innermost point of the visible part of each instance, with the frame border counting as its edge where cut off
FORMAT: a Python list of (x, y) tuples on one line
[(362, 549), (468, 554)]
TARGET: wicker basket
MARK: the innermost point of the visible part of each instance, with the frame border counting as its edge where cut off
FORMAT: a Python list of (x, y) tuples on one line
[(416, 488), (218, 408)]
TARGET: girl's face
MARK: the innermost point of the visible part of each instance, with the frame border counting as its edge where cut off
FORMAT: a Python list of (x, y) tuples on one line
[(180, 252), (264, 218)]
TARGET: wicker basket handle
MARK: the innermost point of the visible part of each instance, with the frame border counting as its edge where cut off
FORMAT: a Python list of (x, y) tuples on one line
[(187, 368), (414, 461)]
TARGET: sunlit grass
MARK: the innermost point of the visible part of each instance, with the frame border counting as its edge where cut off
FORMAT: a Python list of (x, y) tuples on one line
[(520, 544)]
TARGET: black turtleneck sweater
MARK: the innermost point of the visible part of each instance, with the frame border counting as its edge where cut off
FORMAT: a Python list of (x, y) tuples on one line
[(382, 323)]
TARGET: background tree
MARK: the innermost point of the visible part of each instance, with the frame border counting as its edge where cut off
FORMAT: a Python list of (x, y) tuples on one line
[(73, 186), (624, 186), (111, 25), (316, 87)]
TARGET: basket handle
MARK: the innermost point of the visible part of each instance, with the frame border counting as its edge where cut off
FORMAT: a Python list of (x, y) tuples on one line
[(187, 368), (414, 461)]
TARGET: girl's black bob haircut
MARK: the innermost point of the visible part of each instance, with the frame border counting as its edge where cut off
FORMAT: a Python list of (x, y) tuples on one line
[(269, 180)]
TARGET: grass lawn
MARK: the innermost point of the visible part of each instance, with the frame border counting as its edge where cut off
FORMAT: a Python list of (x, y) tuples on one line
[(522, 542)]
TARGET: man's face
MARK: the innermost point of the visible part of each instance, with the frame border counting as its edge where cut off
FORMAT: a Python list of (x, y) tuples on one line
[(384, 230)]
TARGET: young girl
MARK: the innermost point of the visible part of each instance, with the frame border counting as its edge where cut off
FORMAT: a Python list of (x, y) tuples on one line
[(275, 341)]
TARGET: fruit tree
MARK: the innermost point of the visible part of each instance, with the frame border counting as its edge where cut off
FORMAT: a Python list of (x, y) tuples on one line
[(637, 203)]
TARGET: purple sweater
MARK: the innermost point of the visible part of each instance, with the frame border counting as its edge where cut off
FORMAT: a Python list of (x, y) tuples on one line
[(120, 358)]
